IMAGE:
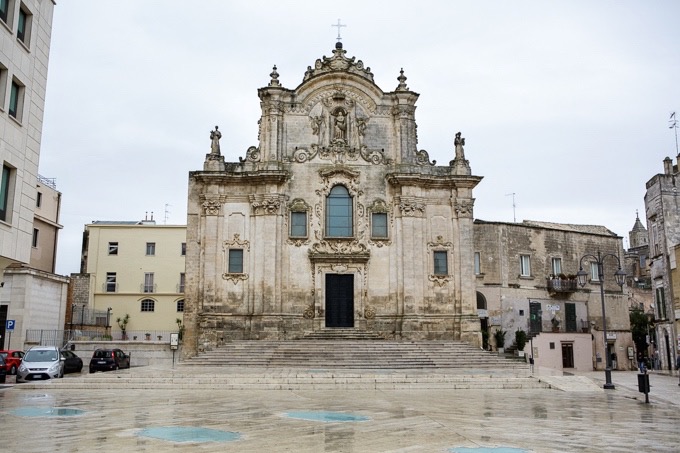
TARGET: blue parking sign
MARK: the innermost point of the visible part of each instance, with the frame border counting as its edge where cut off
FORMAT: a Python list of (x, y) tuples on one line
[(10, 325)]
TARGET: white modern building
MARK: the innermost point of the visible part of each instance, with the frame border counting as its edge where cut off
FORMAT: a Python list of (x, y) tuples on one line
[(25, 35)]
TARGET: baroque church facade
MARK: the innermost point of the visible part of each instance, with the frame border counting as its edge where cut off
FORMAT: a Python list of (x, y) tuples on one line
[(335, 221)]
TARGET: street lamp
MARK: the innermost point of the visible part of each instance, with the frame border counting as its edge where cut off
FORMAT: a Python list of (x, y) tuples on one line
[(73, 309), (620, 278)]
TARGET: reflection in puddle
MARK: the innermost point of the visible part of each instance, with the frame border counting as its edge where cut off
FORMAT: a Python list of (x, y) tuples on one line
[(46, 412), (327, 417), (189, 434)]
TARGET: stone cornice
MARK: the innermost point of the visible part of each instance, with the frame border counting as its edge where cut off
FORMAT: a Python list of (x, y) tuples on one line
[(248, 177), (432, 181)]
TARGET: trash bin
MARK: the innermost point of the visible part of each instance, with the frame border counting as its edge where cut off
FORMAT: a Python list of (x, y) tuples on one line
[(643, 383)]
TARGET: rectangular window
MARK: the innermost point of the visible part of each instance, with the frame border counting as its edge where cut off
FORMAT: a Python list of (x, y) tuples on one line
[(113, 248), (525, 266), (184, 249), (180, 306), (38, 200), (441, 266), (556, 266), (148, 305), (111, 282), (182, 281), (379, 225), (4, 193), (4, 10), (3, 85), (661, 302), (148, 282), (16, 100), (24, 25), (594, 273), (150, 248), (235, 261), (298, 224), (35, 237), (478, 263)]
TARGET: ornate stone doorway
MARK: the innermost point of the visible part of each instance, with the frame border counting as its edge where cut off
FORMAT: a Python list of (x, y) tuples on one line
[(339, 300)]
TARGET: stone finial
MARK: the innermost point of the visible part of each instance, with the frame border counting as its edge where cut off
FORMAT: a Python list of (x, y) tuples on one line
[(275, 78), (402, 81)]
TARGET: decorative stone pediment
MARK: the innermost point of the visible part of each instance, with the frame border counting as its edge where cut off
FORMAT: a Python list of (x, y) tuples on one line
[(339, 251), (338, 62)]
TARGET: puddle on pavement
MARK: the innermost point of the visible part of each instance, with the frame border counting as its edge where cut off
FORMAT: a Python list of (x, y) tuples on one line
[(46, 412), (327, 417), (487, 450), (189, 434)]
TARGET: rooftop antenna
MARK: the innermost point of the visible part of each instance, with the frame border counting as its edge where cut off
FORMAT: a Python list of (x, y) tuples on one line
[(514, 219), (673, 124), (165, 218), (338, 25)]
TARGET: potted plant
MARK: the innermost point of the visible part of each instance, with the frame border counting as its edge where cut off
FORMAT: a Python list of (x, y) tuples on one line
[(520, 341), (499, 336), (148, 336), (122, 324)]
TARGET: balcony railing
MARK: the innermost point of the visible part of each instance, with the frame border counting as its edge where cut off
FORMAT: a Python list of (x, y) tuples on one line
[(562, 285)]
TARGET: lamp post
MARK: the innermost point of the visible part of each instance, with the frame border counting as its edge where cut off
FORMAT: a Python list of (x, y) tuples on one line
[(108, 319), (73, 309), (620, 278)]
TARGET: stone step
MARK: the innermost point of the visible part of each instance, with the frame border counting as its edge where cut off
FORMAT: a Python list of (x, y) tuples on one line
[(202, 379), (339, 352)]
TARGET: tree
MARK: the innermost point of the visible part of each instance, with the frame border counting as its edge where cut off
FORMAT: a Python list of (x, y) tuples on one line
[(640, 326), (122, 323)]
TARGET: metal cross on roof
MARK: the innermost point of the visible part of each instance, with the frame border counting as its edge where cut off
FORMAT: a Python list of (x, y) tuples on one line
[(338, 25)]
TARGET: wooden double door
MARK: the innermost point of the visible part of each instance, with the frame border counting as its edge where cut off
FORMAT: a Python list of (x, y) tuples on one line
[(339, 300)]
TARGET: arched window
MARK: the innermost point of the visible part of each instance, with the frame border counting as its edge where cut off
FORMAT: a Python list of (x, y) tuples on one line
[(339, 213), (148, 305)]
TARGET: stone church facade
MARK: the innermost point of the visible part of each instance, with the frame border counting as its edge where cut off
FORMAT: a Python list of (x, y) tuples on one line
[(336, 220)]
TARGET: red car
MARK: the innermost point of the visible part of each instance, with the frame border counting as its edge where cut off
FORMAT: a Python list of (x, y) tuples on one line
[(12, 360)]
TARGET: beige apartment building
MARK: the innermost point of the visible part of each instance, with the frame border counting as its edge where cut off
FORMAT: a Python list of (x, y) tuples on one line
[(25, 35), (133, 268)]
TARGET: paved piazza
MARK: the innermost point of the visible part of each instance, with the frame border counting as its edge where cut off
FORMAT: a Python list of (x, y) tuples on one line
[(575, 418)]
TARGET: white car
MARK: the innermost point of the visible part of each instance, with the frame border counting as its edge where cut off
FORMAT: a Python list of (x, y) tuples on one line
[(41, 362)]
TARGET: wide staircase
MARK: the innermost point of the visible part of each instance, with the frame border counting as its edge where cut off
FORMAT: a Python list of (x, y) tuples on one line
[(323, 360), (352, 349)]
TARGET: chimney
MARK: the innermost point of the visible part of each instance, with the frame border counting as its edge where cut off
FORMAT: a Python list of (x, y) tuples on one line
[(667, 166)]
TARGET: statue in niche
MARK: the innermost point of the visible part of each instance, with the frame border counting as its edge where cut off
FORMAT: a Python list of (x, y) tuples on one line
[(340, 126), (215, 137), (319, 128)]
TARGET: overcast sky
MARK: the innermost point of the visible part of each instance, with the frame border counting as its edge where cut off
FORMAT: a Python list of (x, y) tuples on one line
[(566, 104)]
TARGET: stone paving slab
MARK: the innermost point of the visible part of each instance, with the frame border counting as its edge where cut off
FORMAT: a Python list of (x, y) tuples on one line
[(400, 420)]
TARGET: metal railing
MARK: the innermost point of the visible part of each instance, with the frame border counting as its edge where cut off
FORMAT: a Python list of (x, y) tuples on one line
[(61, 338)]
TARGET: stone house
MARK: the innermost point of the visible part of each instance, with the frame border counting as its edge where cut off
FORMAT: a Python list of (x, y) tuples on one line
[(663, 225), (334, 220), (526, 279)]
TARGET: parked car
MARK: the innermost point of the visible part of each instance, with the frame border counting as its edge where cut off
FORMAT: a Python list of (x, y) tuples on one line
[(72, 363), (41, 362), (108, 360), (13, 359), (3, 369)]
